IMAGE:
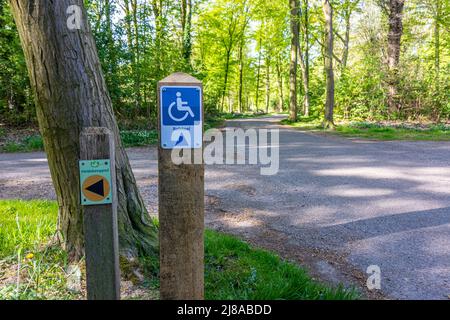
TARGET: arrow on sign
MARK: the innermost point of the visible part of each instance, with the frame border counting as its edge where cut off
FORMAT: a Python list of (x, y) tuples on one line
[(97, 188)]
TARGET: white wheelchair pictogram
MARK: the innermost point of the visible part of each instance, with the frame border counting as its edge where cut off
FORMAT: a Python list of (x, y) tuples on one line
[(181, 106)]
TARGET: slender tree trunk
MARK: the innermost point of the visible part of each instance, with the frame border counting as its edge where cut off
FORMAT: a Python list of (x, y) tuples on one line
[(186, 26), (112, 59), (241, 75), (225, 80), (328, 55), (131, 49), (258, 76), (294, 6), (393, 52), (267, 82), (71, 94), (306, 105), (280, 85), (347, 16), (437, 49), (157, 13), (137, 54)]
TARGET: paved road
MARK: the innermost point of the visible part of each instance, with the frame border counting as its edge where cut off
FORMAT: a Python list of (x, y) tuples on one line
[(336, 205)]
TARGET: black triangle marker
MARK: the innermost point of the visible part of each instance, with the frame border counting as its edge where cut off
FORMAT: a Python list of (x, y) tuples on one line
[(97, 188)]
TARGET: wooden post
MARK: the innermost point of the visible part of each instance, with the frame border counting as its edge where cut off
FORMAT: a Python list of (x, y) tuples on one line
[(100, 223), (181, 215)]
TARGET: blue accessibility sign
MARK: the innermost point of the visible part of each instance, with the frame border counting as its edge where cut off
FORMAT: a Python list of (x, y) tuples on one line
[(181, 117)]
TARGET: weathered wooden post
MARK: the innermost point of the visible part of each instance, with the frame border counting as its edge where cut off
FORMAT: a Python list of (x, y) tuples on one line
[(181, 188), (98, 196)]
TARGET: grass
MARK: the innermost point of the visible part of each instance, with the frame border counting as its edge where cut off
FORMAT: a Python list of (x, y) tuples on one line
[(375, 131), (26, 229), (139, 138), (233, 269)]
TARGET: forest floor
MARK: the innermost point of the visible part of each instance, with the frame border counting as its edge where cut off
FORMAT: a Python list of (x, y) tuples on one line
[(336, 206), (34, 267), (383, 130)]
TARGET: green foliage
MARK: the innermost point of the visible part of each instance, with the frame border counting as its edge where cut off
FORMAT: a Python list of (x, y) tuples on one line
[(137, 138), (241, 49), (16, 105), (234, 270), (377, 131), (27, 144), (25, 225)]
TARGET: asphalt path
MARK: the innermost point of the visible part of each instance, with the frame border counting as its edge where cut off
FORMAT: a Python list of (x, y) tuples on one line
[(336, 205)]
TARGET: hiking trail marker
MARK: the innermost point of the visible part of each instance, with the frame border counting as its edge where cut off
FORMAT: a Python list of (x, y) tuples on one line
[(181, 188), (98, 196), (95, 182)]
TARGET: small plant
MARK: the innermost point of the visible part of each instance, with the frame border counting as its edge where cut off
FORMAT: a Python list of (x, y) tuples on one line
[(33, 143), (12, 147)]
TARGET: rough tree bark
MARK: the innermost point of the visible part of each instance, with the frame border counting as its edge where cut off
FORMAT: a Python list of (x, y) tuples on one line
[(295, 29), (328, 55), (393, 51), (71, 94)]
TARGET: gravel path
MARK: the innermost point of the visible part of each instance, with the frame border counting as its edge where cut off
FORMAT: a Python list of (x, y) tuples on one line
[(336, 205)]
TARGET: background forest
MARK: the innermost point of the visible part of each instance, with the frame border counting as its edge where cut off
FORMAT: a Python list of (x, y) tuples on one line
[(261, 56)]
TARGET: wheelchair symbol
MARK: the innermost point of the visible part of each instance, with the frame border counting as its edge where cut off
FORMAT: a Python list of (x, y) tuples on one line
[(181, 106)]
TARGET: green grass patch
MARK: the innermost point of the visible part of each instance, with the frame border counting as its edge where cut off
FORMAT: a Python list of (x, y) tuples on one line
[(26, 229), (25, 225), (139, 138), (375, 131), (233, 269)]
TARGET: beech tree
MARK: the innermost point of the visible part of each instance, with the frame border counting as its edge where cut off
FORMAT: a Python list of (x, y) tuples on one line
[(328, 57), (70, 93), (294, 6)]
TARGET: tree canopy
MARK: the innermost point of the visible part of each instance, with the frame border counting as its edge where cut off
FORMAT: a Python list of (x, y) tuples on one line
[(241, 50)]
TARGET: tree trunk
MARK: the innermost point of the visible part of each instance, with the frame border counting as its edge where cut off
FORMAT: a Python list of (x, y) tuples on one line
[(157, 12), (137, 54), (347, 16), (225, 80), (294, 6), (131, 43), (328, 55), (393, 51), (71, 94), (258, 76), (267, 83), (306, 105), (186, 26), (280, 85), (241, 75), (437, 32)]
